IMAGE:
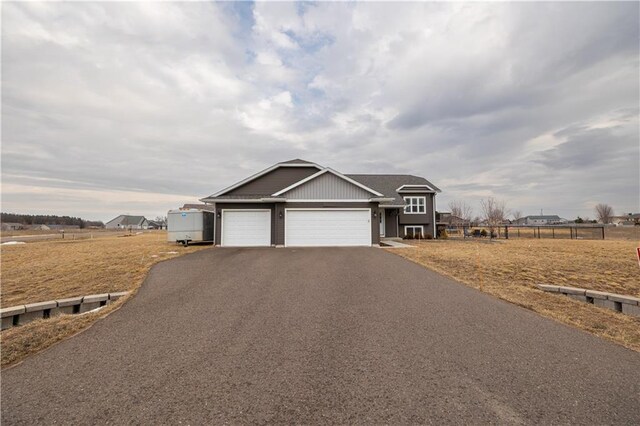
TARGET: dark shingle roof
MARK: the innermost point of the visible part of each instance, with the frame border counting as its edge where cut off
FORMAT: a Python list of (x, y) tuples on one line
[(132, 220), (207, 207), (242, 197), (387, 184), (126, 220), (296, 161)]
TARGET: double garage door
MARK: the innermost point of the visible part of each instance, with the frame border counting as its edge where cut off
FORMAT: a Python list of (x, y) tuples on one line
[(303, 227)]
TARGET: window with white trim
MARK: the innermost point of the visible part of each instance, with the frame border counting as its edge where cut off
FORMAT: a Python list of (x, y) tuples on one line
[(415, 205), (414, 231)]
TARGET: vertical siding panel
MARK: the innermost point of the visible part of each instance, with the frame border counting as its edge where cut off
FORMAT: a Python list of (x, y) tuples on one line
[(329, 187)]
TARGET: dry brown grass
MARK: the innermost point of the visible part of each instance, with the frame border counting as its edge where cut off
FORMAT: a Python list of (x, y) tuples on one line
[(20, 342), (511, 269), (36, 272)]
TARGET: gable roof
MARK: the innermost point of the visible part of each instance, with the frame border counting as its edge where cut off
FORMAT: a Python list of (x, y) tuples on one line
[(322, 172), (296, 161), (547, 217), (389, 184), (387, 188), (127, 220), (291, 163)]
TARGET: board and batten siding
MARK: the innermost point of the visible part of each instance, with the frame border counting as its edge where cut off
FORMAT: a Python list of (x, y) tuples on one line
[(327, 187)]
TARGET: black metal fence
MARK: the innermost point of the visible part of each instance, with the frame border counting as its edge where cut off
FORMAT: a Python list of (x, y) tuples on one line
[(573, 232)]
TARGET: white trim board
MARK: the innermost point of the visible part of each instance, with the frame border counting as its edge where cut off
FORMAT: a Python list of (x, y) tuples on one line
[(328, 200), (416, 188), (320, 173)]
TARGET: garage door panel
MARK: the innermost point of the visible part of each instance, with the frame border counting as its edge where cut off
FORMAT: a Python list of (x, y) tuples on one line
[(248, 228), (328, 227)]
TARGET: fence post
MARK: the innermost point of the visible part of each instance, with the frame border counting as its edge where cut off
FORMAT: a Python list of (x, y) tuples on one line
[(576, 232), (538, 232), (553, 233), (603, 232)]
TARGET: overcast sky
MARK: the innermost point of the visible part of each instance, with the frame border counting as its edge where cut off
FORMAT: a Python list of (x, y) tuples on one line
[(112, 108)]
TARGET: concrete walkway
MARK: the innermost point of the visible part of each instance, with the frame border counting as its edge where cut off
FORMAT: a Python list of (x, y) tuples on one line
[(308, 336), (394, 243)]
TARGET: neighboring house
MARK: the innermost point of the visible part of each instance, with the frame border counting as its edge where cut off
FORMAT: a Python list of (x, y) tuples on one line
[(152, 224), (41, 227), (299, 203), (449, 219), (127, 222), (207, 207), (12, 226), (630, 219), (541, 220)]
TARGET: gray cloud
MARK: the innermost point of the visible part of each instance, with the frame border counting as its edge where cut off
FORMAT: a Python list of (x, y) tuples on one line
[(110, 107)]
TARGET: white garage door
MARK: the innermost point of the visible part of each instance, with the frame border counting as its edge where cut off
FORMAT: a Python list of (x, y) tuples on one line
[(328, 227), (246, 228)]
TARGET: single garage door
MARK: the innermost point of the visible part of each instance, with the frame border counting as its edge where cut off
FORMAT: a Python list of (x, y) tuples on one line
[(328, 227), (246, 228)]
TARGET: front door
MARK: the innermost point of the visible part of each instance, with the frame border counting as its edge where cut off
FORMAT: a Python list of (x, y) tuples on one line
[(382, 221)]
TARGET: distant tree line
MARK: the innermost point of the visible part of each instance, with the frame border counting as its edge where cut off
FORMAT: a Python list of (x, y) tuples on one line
[(28, 219)]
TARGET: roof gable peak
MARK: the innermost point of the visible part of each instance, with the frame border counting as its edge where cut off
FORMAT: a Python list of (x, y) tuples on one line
[(333, 172)]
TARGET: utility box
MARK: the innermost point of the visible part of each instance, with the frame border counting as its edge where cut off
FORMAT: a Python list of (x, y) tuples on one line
[(190, 226)]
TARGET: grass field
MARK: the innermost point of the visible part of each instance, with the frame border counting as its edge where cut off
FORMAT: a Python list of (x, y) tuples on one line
[(47, 270), (511, 269)]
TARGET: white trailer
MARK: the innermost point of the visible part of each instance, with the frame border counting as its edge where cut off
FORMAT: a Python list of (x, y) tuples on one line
[(190, 226)]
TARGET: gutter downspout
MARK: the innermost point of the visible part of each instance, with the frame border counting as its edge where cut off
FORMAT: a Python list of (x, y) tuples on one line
[(433, 202)]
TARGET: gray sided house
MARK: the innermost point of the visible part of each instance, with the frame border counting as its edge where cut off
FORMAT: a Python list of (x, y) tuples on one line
[(541, 220), (127, 222), (298, 203)]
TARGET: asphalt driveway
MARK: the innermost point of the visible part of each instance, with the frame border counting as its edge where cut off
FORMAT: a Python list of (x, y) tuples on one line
[(321, 336)]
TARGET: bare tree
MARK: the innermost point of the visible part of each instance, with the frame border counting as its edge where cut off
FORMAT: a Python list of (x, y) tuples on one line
[(495, 212), (162, 221), (604, 213), (461, 212), (517, 215)]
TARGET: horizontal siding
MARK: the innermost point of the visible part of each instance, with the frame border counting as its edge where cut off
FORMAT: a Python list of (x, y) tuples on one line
[(328, 187)]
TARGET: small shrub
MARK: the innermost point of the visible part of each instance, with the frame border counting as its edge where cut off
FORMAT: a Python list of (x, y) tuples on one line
[(443, 234), (429, 237), (483, 233)]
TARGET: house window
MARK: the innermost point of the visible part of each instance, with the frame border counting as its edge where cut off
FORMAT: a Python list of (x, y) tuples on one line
[(415, 205), (414, 231)]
